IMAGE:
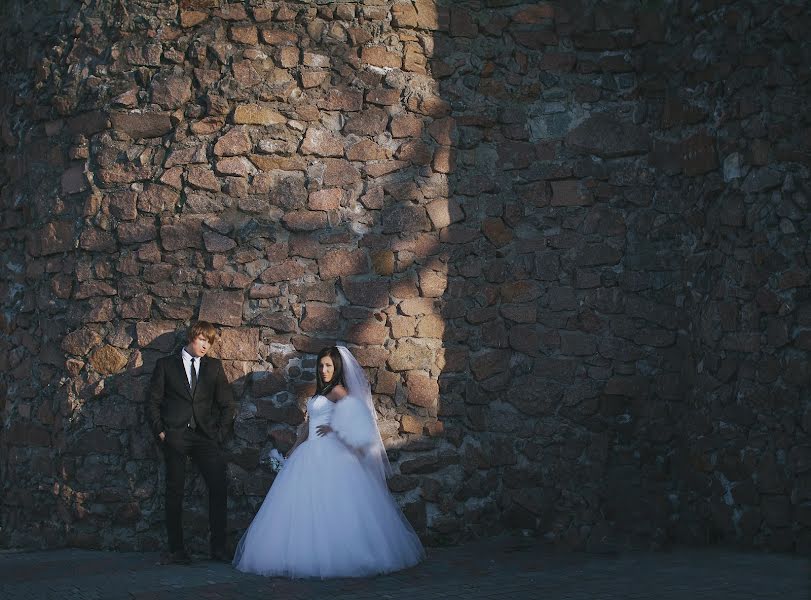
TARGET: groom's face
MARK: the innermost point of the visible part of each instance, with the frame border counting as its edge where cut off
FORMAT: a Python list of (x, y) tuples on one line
[(198, 346)]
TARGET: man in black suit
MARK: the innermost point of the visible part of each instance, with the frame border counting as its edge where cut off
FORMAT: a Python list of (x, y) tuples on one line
[(190, 405)]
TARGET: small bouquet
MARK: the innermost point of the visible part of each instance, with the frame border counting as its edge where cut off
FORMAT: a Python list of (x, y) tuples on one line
[(276, 460)]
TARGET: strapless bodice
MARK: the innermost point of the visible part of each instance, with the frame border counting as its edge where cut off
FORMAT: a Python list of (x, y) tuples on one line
[(319, 409)]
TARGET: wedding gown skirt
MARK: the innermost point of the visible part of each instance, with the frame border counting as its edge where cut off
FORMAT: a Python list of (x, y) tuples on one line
[(326, 515)]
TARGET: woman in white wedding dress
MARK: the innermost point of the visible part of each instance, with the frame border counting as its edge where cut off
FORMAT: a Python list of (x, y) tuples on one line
[(329, 512)]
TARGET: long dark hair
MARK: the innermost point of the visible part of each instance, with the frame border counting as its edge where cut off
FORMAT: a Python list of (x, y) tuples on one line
[(337, 376)]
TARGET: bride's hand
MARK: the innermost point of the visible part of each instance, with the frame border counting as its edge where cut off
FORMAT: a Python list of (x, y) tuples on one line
[(323, 430)]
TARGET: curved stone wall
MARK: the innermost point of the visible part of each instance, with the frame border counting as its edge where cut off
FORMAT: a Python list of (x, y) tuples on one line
[(569, 241)]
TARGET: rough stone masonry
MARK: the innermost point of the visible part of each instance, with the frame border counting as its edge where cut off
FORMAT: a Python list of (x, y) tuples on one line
[(568, 240)]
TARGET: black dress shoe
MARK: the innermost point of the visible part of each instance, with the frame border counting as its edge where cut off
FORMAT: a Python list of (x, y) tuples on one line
[(175, 558), (220, 555)]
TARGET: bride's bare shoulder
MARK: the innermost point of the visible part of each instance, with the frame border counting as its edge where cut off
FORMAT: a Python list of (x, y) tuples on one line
[(337, 393)]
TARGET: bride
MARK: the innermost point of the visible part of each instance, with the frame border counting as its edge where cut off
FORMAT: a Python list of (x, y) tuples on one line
[(329, 512)]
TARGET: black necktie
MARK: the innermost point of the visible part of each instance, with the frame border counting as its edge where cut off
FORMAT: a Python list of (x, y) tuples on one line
[(193, 377), (192, 422)]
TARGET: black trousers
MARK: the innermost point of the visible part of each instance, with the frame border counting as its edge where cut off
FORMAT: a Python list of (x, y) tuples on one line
[(206, 454)]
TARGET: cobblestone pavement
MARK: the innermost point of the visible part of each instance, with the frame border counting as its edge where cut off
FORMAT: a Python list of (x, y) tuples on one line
[(503, 568)]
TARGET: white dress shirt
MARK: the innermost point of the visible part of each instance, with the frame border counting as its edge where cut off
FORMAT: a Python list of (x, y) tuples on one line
[(187, 365)]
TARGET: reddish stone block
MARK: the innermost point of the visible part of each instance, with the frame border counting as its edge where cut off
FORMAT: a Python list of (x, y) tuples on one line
[(371, 121), (444, 160), (227, 12), (202, 178), (444, 131), (443, 212), (430, 326), (182, 233), (223, 308), (97, 240), (234, 143), (305, 220), (340, 173), (383, 96), (142, 125), (172, 91), (157, 198), (411, 424), (421, 389), (322, 142), (289, 269), (278, 37), (408, 218), (207, 125), (373, 293), (123, 205), (418, 306), (311, 79), (432, 283), (415, 152), (159, 335), (368, 332), (319, 317), (342, 99), (142, 230), (190, 18), (384, 167), (340, 263), (287, 57), (244, 34), (366, 150), (431, 16), (235, 165), (257, 114), (404, 15), (137, 308), (80, 342), (402, 326), (379, 56), (406, 126), (329, 199), (214, 242), (108, 360)]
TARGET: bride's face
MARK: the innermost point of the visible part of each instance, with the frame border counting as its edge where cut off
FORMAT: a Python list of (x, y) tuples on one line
[(326, 368)]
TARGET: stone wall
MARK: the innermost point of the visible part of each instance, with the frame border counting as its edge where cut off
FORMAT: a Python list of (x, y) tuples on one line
[(569, 241)]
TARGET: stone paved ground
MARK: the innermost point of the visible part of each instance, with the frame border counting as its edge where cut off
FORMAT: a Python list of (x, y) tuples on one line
[(508, 568)]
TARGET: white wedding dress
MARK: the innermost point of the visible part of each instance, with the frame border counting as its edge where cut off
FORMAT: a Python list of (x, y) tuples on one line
[(327, 514)]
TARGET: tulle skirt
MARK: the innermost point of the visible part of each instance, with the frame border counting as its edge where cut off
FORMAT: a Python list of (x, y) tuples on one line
[(327, 516)]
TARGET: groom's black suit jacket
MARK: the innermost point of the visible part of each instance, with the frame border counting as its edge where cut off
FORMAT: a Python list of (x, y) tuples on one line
[(171, 402)]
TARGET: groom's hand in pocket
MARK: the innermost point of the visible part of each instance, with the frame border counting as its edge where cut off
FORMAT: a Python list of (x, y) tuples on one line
[(162, 436)]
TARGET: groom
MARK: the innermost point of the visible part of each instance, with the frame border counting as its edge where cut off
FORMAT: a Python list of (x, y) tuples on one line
[(190, 405)]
